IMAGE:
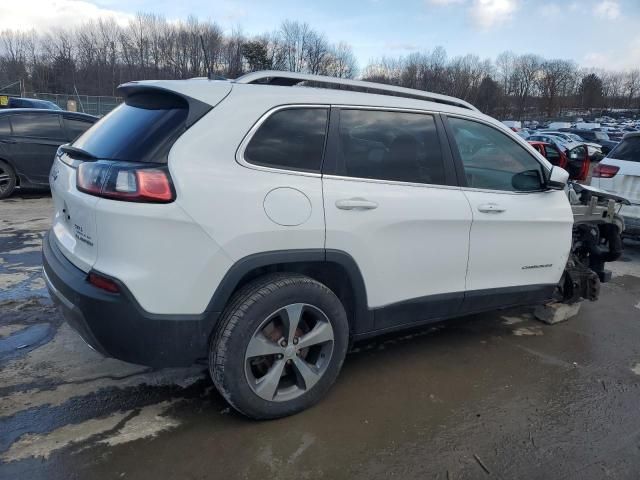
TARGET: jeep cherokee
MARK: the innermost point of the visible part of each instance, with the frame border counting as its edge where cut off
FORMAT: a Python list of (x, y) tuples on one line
[(266, 223)]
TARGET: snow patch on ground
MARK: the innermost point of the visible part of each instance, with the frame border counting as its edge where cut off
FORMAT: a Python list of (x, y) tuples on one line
[(148, 423), (42, 446), (528, 331)]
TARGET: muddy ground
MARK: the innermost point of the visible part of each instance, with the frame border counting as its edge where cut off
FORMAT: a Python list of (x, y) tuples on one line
[(497, 395)]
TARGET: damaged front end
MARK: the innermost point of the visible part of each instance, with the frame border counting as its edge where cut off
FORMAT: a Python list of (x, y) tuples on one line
[(597, 239)]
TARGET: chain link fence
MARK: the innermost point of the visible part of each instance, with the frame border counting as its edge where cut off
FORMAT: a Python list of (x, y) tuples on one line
[(92, 104)]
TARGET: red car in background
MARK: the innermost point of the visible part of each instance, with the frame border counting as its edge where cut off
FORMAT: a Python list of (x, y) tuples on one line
[(575, 161)]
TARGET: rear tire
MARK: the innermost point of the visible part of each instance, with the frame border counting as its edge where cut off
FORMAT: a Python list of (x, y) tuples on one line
[(7, 179), (279, 346)]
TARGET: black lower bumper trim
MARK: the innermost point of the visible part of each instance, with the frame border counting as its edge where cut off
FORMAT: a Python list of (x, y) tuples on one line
[(116, 325)]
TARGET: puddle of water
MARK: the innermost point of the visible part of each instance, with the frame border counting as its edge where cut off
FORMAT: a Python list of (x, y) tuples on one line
[(25, 340)]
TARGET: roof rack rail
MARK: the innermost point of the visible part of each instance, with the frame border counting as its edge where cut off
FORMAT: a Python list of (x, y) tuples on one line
[(275, 77)]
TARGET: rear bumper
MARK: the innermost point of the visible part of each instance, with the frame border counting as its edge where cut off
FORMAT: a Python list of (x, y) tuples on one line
[(115, 324)]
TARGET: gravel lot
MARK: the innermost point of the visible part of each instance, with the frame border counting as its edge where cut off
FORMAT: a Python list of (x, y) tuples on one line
[(497, 395)]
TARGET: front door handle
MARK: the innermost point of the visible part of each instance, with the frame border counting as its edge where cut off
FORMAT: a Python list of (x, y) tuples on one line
[(491, 208), (356, 204)]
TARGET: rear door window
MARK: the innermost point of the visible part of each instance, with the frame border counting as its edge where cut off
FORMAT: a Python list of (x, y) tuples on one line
[(142, 129), (37, 125), (291, 139), (628, 149), (386, 145)]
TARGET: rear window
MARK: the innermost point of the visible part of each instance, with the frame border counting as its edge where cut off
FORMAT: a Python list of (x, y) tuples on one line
[(601, 136), (5, 128), (142, 129), (291, 139), (628, 149), (38, 125)]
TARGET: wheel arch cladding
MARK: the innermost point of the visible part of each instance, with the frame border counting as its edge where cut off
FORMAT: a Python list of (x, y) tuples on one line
[(334, 268)]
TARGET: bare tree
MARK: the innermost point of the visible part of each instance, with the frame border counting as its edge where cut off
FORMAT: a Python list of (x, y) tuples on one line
[(526, 69), (553, 80)]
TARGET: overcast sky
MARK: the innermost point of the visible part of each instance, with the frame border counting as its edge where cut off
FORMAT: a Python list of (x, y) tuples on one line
[(594, 33)]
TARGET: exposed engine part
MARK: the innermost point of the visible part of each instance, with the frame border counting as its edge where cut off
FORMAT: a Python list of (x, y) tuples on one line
[(577, 282), (594, 245), (596, 240)]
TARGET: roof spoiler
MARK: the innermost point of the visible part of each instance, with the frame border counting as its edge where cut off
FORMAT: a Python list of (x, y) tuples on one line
[(197, 108)]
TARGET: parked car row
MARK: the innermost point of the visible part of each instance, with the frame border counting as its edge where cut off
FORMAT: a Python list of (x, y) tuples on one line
[(602, 136), (29, 139)]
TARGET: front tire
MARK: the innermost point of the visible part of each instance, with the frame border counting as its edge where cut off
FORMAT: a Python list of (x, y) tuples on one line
[(279, 346), (7, 179)]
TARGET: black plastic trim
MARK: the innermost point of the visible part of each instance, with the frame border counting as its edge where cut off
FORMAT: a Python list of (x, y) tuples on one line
[(431, 307), (436, 308), (455, 153), (364, 318), (116, 325)]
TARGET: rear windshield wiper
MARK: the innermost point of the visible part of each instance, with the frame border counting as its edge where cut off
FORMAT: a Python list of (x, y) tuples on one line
[(76, 152)]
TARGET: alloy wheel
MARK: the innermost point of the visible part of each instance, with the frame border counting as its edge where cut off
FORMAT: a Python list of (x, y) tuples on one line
[(289, 352)]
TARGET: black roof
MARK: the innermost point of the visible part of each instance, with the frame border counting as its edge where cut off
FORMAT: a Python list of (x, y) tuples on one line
[(48, 111)]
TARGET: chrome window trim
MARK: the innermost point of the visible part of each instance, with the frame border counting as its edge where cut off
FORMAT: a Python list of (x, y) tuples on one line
[(263, 118), (391, 182), (390, 109)]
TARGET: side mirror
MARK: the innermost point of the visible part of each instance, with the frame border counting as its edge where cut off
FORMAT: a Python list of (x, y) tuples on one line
[(558, 178), (528, 181)]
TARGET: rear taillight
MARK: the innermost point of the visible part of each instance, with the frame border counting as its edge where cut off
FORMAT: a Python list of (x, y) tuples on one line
[(126, 181), (605, 171)]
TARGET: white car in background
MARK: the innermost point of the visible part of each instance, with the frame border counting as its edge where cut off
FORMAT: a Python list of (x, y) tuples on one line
[(619, 173)]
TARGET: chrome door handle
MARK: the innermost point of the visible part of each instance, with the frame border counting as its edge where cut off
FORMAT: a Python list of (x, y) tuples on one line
[(356, 204), (491, 208)]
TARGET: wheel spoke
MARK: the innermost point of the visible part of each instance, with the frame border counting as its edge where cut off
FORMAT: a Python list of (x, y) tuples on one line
[(294, 313), (260, 346), (267, 386), (306, 373), (320, 333)]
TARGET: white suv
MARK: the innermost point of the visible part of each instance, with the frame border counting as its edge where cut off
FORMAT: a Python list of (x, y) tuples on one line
[(619, 173), (267, 225)]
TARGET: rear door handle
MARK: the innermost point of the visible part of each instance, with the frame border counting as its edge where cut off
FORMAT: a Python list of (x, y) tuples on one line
[(356, 204), (491, 208)]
